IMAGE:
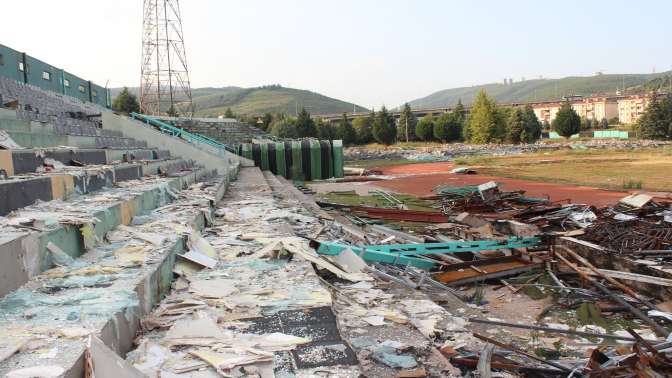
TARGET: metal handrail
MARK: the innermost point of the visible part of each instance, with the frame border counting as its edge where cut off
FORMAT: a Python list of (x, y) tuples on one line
[(181, 133)]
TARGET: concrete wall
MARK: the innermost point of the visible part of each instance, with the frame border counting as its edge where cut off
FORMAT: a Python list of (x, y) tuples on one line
[(177, 147)]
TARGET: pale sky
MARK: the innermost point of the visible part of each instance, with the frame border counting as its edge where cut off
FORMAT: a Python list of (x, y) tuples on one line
[(368, 52)]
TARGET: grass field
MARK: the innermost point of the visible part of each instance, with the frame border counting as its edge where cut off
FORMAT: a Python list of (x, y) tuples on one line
[(648, 169)]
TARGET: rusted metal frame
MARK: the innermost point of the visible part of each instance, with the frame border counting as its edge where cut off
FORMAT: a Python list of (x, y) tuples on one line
[(661, 331), (402, 215)]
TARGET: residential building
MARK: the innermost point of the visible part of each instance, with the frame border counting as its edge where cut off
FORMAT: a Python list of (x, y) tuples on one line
[(631, 108), (590, 108)]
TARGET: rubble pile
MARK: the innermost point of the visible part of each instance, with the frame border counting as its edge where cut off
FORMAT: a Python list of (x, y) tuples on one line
[(513, 275), (450, 151)]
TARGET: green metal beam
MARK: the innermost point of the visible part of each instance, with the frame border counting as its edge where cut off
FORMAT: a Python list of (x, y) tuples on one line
[(411, 254)]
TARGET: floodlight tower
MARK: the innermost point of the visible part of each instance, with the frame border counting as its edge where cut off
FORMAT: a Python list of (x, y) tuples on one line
[(164, 81)]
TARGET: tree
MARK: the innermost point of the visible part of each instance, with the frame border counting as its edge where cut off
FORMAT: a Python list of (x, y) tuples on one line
[(532, 128), (448, 127), (126, 102), (362, 127), (604, 124), (460, 112), (325, 130), (266, 120), (172, 112), (515, 128), (656, 121), (586, 124), (305, 126), (229, 113), (614, 121), (346, 132), (424, 130), (502, 115), (566, 122), (384, 130), (483, 119), (407, 123), (284, 129)]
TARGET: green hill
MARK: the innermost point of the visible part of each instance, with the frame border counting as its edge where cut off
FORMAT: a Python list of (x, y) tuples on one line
[(211, 102), (538, 89)]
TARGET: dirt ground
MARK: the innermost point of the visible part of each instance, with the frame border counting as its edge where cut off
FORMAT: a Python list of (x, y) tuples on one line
[(420, 179)]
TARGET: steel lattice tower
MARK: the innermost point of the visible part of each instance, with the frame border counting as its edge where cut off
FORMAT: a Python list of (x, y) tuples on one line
[(164, 81)]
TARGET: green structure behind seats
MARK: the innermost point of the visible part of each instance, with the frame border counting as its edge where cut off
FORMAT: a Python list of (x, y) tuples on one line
[(300, 160)]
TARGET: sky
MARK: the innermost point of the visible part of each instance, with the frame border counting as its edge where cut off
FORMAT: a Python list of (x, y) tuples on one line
[(368, 52)]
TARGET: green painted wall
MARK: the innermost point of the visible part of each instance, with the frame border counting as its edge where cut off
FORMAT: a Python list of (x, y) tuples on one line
[(9, 64), (9, 68)]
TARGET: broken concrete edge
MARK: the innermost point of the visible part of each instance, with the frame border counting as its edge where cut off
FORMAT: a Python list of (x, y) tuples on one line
[(27, 255), (19, 192), (122, 326)]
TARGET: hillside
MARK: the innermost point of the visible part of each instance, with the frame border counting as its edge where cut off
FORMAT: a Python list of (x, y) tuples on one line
[(211, 102), (538, 89)]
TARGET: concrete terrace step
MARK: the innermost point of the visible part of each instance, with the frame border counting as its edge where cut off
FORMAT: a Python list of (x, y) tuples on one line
[(109, 289), (16, 162), (24, 190), (78, 223), (268, 296)]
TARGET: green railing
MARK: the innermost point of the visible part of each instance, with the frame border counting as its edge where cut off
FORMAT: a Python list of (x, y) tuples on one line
[(167, 128)]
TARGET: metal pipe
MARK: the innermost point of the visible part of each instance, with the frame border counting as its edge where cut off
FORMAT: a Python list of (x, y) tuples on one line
[(552, 330)]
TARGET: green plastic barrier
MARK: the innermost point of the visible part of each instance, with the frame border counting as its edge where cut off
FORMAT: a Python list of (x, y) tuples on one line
[(337, 151), (247, 151), (264, 156), (315, 160), (296, 171), (280, 163)]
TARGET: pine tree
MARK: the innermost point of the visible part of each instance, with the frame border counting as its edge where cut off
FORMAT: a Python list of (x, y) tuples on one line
[(346, 132), (424, 130), (229, 113), (532, 130), (325, 130), (515, 127), (566, 122), (483, 119), (126, 102), (305, 126), (362, 127), (460, 112), (656, 122), (384, 130), (284, 129), (266, 120), (448, 128), (407, 123)]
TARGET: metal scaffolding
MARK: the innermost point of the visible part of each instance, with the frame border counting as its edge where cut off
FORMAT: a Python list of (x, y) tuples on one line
[(164, 82)]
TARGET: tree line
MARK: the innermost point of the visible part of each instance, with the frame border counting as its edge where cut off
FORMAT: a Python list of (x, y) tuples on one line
[(486, 123)]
